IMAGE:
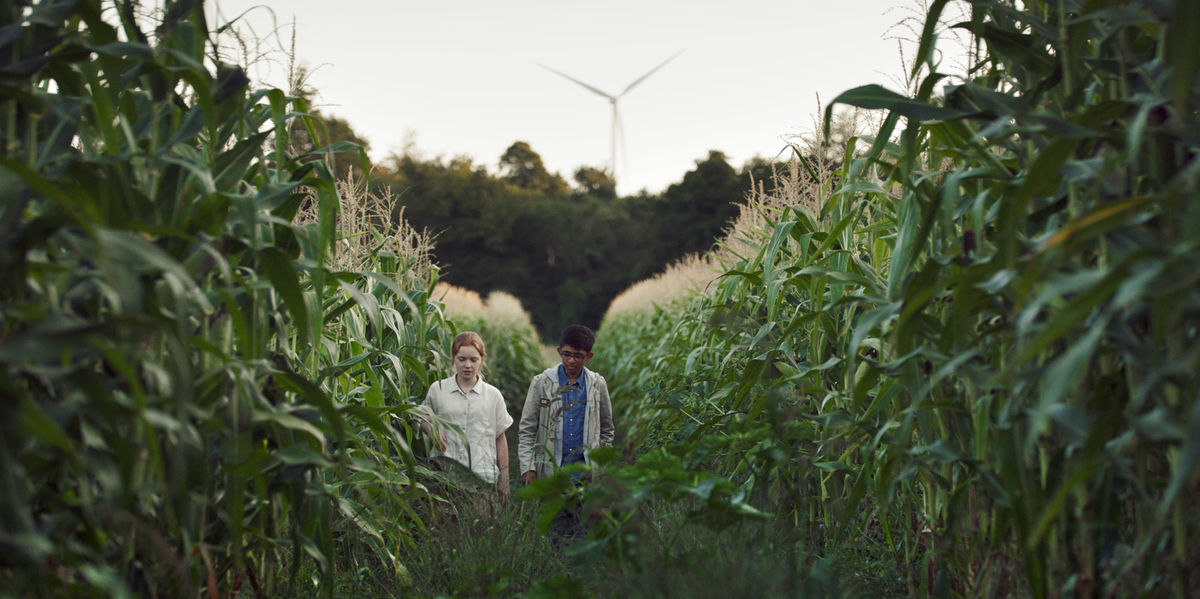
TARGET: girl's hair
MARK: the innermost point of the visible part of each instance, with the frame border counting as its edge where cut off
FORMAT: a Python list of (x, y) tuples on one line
[(468, 338)]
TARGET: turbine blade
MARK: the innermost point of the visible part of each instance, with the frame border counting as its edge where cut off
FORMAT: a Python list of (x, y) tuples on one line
[(611, 99), (643, 77)]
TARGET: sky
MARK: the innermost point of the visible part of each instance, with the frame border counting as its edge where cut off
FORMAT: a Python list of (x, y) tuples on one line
[(462, 77)]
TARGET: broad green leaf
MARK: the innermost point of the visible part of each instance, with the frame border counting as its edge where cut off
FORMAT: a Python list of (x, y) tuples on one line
[(35, 422), (295, 455), (1186, 465), (876, 97), (231, 165), (286, 282)]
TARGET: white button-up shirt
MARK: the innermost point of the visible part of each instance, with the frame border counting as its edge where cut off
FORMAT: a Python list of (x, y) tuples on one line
[(481, 414)]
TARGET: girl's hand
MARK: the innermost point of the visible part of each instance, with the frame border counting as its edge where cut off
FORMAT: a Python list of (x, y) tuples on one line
[(438, 439)]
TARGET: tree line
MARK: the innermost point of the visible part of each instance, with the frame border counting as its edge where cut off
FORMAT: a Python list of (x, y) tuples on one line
[(564, 248)]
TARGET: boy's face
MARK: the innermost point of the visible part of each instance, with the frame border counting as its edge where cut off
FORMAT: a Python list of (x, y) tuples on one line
[(573, 359)]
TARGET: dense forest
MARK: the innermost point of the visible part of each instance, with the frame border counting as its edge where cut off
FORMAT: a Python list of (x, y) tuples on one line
[(564, 249)]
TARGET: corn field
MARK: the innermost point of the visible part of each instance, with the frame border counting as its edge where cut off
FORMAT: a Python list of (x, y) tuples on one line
[(974, 335), (201, 387), (978, 337)]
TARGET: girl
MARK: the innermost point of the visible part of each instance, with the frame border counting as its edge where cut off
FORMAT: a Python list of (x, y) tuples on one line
[(477, 408)]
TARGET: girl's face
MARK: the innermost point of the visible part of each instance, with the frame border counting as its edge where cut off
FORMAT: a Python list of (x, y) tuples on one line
[(467, 362)]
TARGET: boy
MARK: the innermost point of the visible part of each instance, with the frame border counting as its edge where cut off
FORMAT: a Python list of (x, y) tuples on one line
[(567, 410)]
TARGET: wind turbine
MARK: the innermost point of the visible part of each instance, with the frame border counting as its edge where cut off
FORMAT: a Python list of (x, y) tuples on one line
[(616, 116)]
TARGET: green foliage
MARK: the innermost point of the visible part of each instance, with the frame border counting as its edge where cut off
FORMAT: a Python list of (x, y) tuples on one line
[(462, 556), (667, 526), (984, 346), (523, 167), (564, 255), (596, 183), (189, 392), (699, 208), (334, 130), (507, 556), (560, 255)]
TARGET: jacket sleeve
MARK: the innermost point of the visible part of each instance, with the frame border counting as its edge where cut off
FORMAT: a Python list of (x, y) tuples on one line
[(527, 429), (607, 431)]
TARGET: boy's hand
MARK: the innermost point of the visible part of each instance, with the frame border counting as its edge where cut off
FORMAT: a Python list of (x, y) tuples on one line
[(528, 477)]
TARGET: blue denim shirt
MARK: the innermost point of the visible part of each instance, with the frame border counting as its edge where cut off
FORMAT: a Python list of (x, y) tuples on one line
[(574, 409)]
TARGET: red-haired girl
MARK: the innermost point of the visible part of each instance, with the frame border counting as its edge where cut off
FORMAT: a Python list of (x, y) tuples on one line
[(466, 400)]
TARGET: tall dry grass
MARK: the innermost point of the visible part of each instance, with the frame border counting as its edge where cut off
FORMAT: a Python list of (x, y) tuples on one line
[(691, 274), (458, 301), (499, 308)]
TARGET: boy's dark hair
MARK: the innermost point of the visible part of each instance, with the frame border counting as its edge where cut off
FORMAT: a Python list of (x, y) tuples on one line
[(578, 337)]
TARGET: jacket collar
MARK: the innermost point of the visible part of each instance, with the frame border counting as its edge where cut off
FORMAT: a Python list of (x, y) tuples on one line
[(588, 376)]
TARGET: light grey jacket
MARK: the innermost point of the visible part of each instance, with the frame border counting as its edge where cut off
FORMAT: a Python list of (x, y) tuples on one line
[(540, 431)]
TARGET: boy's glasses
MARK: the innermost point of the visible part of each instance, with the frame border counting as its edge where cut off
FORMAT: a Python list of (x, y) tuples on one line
[(566, 355)]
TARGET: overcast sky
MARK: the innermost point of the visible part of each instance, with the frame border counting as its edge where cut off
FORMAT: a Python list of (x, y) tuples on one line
[(461, 77)]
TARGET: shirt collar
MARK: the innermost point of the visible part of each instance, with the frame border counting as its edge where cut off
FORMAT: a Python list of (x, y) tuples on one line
[(563, 380), (475, 389)]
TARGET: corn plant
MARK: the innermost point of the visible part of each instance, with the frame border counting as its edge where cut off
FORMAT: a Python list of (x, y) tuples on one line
[(190, 393), (984, 343)]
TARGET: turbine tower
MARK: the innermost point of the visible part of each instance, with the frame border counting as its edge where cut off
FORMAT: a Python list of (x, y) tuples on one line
[(616, 116)]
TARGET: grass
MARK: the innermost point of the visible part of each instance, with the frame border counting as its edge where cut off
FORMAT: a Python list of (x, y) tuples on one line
[(680, 558), (506, 556), (498, 557)]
